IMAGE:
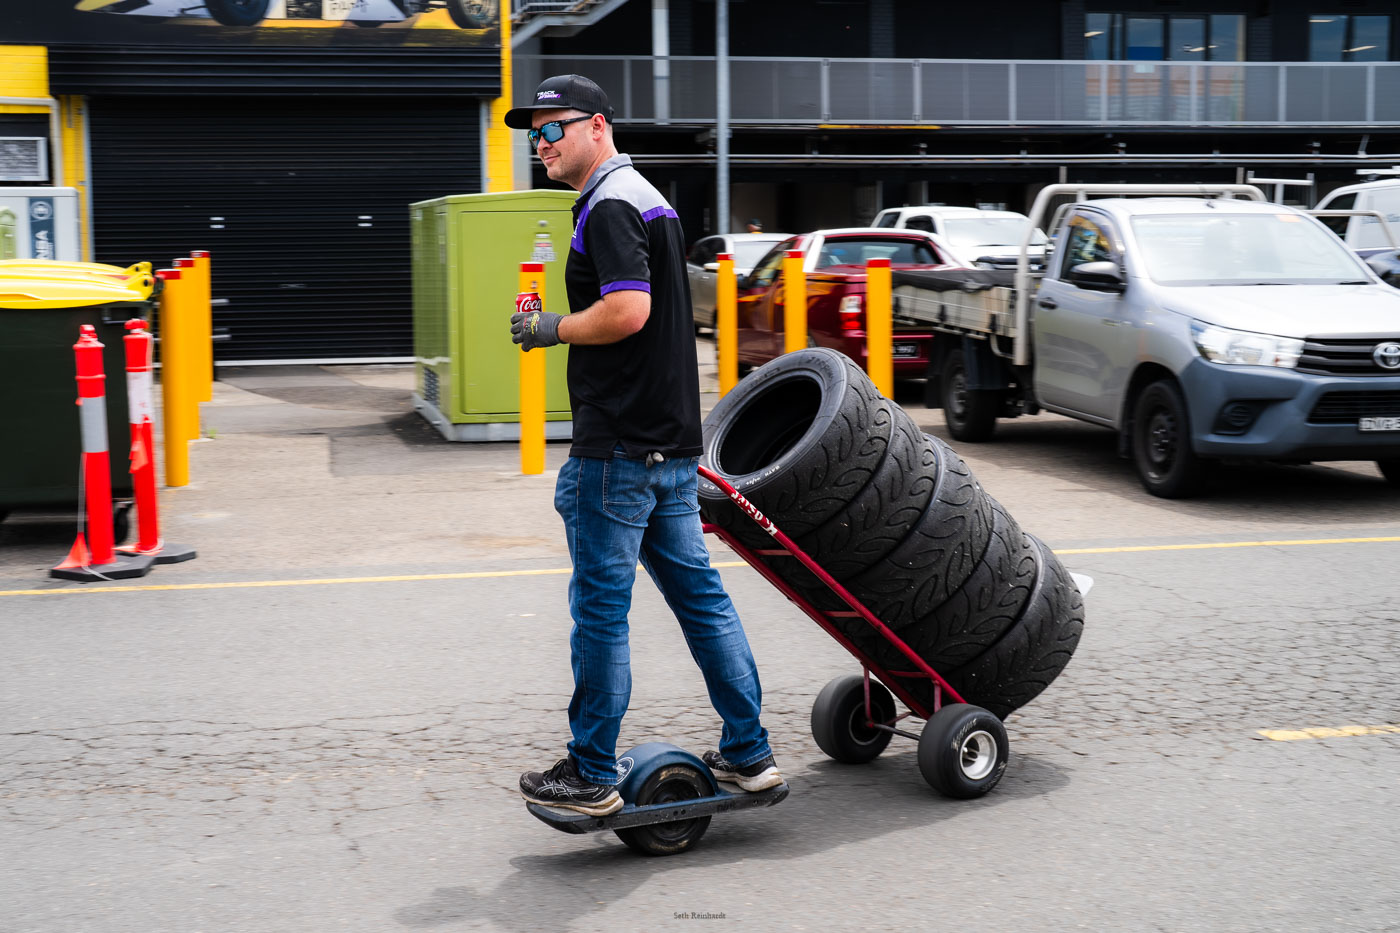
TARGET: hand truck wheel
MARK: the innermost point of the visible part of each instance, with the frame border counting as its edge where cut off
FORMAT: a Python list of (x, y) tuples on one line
[(669, 784), (963, 751), (839, 724)]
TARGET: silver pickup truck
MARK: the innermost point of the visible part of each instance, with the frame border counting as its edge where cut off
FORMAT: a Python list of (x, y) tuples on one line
[(1201, 323)]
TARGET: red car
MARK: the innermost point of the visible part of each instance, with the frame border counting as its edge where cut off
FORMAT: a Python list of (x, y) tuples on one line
[(835, 266)]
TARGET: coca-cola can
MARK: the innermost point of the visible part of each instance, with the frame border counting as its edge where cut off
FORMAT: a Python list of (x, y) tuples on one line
[(527, 302)]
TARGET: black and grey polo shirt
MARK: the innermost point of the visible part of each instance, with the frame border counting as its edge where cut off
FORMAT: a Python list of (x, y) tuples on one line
[(642, 392)]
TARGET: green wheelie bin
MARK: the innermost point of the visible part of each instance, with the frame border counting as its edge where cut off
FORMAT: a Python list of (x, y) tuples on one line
[(41, 310)]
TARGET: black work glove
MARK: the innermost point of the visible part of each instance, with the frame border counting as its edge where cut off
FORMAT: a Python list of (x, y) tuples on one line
[(534, 329)]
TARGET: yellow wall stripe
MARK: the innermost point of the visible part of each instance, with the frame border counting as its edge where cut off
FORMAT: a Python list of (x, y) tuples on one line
[(24, 72), (1324, 732), (500, 165)]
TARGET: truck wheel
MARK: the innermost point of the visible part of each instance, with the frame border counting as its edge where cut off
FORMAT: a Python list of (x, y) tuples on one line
[(472, 14), (670, 784), (1390, 469), (1166, 464), (971, 413), (237, 12), (963, 751), (838, 719)]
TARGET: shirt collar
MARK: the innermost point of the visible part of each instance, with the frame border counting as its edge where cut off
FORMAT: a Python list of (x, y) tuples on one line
[(607, 168)]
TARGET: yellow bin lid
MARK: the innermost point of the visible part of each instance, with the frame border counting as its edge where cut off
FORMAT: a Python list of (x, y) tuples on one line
[(27, 293), (42, 283)]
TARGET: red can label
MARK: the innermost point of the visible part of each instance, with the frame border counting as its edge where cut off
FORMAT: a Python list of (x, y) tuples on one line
[(527, 302)]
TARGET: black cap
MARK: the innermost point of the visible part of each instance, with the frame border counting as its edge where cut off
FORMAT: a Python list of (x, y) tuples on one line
[(562, 92)]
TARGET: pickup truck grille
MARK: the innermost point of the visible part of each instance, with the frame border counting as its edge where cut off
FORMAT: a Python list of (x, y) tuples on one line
[(1351, 407), (1343, 357)]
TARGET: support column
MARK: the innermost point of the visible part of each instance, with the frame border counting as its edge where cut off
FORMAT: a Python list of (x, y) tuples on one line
[(661, 60), (722, 116)]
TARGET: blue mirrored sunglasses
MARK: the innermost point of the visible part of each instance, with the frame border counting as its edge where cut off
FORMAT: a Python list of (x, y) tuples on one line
[(552, 132)]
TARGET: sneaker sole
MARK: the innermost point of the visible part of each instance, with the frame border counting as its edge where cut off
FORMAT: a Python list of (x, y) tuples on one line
[(607, 807), (769, 777)]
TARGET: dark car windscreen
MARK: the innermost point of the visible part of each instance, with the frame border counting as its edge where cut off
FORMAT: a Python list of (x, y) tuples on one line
[(857, 251)]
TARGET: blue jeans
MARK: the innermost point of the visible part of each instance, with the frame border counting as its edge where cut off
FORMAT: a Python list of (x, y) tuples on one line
[(616, 512)]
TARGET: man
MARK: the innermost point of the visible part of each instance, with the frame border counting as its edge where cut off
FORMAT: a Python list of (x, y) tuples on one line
[(627, 492), (754, 226)]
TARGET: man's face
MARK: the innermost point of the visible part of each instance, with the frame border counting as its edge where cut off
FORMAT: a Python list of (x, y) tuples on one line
[(569, 158)]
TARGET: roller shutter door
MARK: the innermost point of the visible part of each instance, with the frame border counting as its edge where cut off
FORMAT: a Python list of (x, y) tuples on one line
[(303, 204)]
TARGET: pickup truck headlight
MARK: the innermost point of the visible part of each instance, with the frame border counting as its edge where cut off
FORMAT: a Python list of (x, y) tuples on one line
[(1245, 348)]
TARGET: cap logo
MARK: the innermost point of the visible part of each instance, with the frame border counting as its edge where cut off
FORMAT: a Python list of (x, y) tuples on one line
[(547, 95)]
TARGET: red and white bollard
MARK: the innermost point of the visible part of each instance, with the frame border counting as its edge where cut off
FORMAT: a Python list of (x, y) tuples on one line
[(140, 356), (102, 562)]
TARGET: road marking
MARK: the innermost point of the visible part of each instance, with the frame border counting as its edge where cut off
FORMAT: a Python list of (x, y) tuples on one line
[(1293, 542), (1323, 732), (554, 571)]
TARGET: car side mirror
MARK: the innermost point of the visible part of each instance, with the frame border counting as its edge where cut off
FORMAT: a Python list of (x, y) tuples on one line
[(1103, 276), (711, 267)]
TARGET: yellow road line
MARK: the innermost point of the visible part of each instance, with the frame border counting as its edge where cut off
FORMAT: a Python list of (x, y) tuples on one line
[(1292, 542), (1323, 732), (487, 574)]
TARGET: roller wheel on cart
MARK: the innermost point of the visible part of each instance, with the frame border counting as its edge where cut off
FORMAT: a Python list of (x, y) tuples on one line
[(838, 719), (670, 784), (963, 751)]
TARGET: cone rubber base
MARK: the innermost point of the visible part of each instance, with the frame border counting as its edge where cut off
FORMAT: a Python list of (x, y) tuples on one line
[(124, 567), (168, 553)]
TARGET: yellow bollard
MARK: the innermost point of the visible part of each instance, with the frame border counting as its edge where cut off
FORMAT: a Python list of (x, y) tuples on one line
[(181, 411), (727, 323), (206, 325), (795, 296), (191, 292), (879, 326), (532, 382)]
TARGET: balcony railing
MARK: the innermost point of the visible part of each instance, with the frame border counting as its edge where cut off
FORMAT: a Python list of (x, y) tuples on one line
[(980, 92)]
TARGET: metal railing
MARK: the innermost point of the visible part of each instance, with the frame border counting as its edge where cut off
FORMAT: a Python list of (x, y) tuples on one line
[(524, 9), (869, 91)]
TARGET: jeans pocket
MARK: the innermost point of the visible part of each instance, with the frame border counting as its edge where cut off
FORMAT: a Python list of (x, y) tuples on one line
[(626, 490), (687, 483)]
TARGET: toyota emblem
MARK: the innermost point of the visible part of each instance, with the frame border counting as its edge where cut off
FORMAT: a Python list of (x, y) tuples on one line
[(1387, 355)]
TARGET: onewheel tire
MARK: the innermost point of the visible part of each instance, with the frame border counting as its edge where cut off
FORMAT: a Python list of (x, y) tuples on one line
[(670, 784), (963, 751), (839, 724)]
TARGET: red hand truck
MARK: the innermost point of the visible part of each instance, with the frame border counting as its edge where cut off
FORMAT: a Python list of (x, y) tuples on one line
[(963, 749)]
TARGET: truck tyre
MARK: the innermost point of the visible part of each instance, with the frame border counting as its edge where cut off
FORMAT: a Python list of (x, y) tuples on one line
[(1390, 469), (237, 12), (971, 413), (985, 606), (1032, 652), (1161, 443), (799, 438)]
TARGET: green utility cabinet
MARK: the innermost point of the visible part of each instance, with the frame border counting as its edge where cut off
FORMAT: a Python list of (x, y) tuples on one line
[(467, 251), (9, 248)]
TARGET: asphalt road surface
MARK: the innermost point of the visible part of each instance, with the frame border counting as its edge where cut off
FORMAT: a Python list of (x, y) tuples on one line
[(319, 724)]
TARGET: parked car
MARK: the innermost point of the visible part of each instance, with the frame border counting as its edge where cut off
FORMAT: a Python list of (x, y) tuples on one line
[(701, 266), (1200, 330), (835, 271), (1373, 232), (984, 239)]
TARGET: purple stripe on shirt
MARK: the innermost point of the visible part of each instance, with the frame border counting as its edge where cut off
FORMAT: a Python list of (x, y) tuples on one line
[(576, 241), (656, 212), (626, 285)]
